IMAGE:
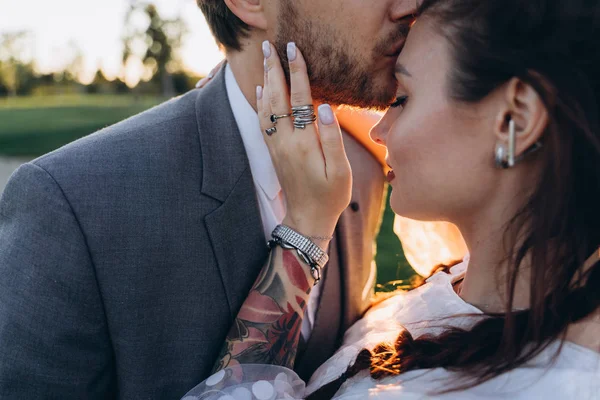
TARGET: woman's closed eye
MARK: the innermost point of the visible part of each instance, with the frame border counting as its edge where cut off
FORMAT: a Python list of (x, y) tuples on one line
[(400, 102)]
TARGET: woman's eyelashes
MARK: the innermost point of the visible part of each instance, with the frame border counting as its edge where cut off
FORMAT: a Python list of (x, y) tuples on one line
[(400, 102)]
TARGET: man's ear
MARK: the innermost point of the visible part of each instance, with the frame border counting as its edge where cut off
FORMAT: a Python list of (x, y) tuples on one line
[(252, 12), (525, 107)]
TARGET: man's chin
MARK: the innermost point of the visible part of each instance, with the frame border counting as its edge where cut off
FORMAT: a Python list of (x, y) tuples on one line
[(377, 100), (367, 104)]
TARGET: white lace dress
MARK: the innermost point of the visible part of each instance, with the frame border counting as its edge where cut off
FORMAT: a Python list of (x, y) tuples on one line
[(574, 375)]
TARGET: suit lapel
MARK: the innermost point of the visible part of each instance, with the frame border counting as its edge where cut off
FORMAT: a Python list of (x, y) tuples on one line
[(234, 227)]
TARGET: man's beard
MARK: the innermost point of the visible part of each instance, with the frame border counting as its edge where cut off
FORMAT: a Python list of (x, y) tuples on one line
[(337, 75)]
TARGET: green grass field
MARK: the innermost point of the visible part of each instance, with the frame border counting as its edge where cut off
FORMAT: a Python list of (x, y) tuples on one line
[(32, 126)]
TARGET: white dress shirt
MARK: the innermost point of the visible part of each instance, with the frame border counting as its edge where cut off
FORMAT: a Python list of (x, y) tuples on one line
[(268, 189)]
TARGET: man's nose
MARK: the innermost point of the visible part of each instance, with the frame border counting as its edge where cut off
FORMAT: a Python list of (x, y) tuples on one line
[(403, 9)]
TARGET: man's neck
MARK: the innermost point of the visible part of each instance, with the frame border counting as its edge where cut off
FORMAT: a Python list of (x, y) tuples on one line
[(248, 68)]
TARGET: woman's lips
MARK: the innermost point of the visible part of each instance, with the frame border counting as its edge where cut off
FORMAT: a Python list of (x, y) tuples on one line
[(390, 176)]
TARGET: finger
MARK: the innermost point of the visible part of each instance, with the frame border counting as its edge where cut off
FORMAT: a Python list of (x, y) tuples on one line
[(204, 81), (278, 91), (216, 69), (300, 94), (264, 111), (272, 140), (259, 103), (331, 141)]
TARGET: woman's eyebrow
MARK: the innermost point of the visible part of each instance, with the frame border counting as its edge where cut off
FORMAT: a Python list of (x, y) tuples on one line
[(401, 69)]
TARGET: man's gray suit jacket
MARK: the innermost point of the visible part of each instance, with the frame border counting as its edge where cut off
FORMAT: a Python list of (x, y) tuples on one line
[(125, 256)]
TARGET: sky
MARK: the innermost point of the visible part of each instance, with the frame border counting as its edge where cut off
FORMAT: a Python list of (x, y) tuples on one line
[(96, 27)]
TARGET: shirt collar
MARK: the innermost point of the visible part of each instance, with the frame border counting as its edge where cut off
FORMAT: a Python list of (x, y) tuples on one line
[(261, 164)]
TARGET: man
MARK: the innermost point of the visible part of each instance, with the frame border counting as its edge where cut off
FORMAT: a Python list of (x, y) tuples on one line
[(126, 255)]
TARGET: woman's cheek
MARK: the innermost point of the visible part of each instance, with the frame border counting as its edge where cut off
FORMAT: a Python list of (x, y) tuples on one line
[(419, 152), (410, 144)]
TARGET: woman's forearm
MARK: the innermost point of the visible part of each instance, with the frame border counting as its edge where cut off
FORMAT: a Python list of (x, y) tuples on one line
[(315, 175), (267, 327)]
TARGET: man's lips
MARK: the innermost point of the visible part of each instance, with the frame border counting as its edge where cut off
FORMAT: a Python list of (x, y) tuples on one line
[(395, 51)]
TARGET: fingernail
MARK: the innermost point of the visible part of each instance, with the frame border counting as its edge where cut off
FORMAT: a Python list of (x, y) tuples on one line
[(200, 82), (259, 92), (326, 114), (266, 47), (211, 74), (291, 51)]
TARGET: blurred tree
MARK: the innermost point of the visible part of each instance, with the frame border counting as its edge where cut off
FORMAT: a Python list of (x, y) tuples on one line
[(76, 66), (17, 74), (3, 87), (156, 45), (100, 84)]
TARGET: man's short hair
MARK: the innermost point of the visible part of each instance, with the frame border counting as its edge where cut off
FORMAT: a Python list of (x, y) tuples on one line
[(227, 28)]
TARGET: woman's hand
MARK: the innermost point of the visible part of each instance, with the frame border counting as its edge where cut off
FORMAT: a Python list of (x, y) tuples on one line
[(311, 163), (356, 122), (204, 81), (315, 176)]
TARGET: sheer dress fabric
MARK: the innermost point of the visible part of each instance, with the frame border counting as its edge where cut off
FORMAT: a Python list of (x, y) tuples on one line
[(574, 374), (250, 382)]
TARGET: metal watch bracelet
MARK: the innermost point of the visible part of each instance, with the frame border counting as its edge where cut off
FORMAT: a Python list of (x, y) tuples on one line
[(308, 251), (301, 242)]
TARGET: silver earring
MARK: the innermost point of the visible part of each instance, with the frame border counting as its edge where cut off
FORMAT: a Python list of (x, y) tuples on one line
[(507, 158), (512, 143), (501, 156)]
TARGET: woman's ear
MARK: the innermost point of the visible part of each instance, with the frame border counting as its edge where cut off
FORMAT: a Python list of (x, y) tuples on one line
[(524, 106), (252, 12)]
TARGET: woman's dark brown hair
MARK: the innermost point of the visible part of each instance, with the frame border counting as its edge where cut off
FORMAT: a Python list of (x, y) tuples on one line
[(554, 46)]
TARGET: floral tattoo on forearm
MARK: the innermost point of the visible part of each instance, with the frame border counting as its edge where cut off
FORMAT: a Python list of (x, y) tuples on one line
[(267, 327)]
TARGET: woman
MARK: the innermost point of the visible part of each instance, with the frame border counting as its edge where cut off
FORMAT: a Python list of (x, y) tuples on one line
[(495, 129)]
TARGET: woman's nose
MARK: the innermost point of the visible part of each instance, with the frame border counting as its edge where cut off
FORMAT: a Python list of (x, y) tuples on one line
[(378, 133)]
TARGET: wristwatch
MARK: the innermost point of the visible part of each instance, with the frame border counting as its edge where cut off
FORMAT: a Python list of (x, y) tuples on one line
[(307, 250)]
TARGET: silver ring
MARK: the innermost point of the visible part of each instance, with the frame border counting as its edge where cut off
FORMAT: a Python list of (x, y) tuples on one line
[(303, 115), (274, 117), (308, 107), (271, 131), (301, 123)]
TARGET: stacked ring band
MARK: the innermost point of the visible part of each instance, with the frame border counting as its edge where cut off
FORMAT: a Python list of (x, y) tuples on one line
[(271, 131), (303, 115)]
